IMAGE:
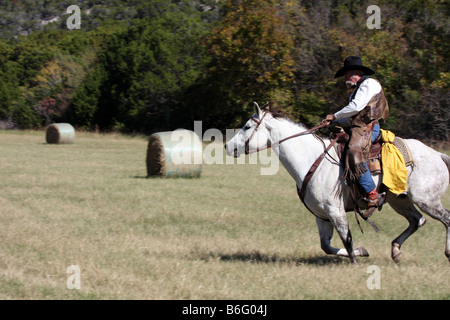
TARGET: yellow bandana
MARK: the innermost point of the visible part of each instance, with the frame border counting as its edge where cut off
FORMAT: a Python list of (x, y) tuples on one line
[(393, 164)]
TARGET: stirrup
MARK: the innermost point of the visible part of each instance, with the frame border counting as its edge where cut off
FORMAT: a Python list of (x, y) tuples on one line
[(379, 204)]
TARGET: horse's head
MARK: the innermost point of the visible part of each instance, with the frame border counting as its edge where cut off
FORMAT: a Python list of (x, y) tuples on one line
[(253, 136)]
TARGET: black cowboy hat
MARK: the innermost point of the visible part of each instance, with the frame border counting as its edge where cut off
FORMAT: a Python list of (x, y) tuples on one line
[(353, 63)]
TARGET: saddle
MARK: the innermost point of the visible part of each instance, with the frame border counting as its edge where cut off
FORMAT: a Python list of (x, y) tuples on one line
[(374, 162)]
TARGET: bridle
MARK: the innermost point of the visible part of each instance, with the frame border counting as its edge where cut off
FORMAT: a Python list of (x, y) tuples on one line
[(259, 122)]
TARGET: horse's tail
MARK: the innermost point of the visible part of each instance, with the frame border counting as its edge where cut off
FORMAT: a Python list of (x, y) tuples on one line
[(446, 159)]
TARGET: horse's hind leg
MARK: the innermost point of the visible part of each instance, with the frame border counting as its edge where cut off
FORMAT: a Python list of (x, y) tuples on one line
[(447, 245), (406, 208), (437, 211)]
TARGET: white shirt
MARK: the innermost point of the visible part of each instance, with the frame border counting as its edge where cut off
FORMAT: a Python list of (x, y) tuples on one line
[(366, 91)]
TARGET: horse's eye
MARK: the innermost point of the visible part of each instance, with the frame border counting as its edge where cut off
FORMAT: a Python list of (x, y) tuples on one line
[(247, 126)]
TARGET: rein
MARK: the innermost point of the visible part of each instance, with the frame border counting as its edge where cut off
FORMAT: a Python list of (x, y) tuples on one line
[(259, 122)]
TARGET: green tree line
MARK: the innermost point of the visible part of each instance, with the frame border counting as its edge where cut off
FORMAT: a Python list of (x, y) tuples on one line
[(148, 66)]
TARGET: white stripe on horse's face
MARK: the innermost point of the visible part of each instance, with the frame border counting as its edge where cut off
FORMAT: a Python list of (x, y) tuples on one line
[(236, 146), (252, 137)]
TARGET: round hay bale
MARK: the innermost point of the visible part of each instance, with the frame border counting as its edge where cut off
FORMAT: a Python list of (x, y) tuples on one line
[(60, 133), (174, 154)]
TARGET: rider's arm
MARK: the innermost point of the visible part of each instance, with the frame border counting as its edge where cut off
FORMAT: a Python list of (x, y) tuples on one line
[(343, 122), (366, 91)]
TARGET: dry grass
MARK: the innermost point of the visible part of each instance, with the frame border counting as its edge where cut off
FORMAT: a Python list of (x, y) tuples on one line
[(232, 234)]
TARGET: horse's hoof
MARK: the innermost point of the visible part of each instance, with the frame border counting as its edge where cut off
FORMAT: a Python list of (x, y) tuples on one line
[(362, 251), (422, 222), (396, 253), (355, 263)]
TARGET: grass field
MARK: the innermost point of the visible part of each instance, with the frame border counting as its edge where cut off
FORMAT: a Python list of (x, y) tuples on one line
[(231, 234)]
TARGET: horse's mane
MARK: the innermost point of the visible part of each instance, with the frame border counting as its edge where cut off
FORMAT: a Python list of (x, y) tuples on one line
[(277, 113)]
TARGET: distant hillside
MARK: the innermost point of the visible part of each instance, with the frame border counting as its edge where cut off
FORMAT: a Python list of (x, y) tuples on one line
[(154, 65), (22, 17)]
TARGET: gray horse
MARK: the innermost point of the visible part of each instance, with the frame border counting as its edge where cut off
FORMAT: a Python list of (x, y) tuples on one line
[(327, 195)]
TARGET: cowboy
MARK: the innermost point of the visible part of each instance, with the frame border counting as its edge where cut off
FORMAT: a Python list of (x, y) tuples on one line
[(366, 107)]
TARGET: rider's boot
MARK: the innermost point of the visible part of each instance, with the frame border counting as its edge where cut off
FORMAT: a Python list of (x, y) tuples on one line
[(375, 200)]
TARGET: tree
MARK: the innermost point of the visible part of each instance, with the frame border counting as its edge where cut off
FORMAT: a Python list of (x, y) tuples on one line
[(251, 59), (146, 68), (85, 101)]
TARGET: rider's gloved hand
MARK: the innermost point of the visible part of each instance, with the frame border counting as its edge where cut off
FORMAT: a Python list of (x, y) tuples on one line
[(328, 119)]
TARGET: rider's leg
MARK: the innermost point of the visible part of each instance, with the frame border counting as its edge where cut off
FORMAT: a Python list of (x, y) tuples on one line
[(358, 143), (365, 180), (376, 132)]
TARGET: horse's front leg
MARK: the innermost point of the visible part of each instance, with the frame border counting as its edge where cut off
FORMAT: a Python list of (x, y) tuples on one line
[(326, 229), (340, 222), (326, 233)]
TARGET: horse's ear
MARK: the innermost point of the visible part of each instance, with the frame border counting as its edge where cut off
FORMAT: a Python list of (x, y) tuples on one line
[(258, 110), (267, 106)]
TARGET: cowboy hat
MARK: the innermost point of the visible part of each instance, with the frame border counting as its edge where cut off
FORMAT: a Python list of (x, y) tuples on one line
[(353, 63)]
